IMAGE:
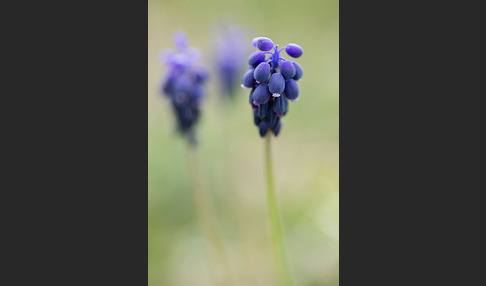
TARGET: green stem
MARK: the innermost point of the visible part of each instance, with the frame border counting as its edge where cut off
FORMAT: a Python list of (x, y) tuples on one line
[(206, 218), (275, 225)]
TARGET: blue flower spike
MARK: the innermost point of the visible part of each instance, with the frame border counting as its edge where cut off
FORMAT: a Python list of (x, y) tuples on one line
[(273, 83), (184, 85)]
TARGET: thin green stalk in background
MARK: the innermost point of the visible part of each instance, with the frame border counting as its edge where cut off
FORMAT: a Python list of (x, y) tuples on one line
[(283, 270), (207, 219)]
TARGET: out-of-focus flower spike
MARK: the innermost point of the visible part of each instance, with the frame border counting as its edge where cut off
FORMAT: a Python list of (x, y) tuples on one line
[(230, 54), (184, 84)]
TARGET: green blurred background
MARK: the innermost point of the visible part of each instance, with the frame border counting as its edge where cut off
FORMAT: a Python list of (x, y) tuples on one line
[(305, 155)]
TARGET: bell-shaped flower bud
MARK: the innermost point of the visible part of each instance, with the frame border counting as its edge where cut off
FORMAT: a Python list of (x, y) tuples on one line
[(256, 119), (262, 110), (298, 71), (261, 95), (256, 58), (263, 128), (264, 44), (287, 69), (248, 80), (280, 105), (277, 128), (294, 50), (262, 72), (291, 89), (276, 85)]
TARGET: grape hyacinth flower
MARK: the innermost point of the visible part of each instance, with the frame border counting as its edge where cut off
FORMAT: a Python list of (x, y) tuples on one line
[(273, 82), (184, 84), (230, 54)]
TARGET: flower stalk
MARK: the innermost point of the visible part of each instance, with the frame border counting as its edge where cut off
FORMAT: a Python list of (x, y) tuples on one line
[(283, 270), (207, 222)]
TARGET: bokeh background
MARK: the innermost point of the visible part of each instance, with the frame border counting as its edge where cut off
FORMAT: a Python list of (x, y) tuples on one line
[(305, 155)]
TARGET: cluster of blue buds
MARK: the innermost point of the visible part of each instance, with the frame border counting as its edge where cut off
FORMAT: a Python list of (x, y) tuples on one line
[(230, 55), (184, 84), (273, 82)]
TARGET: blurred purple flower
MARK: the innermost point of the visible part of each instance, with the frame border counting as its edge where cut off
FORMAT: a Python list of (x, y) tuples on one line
[(183, 83), (230, 57)]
